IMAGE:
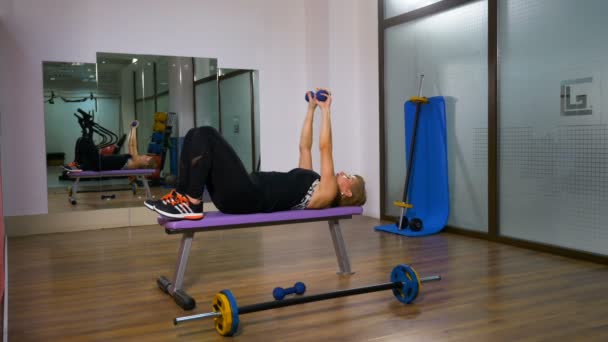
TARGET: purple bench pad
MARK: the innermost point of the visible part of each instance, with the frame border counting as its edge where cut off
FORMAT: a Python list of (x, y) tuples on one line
[(216, 219), (110, 173)]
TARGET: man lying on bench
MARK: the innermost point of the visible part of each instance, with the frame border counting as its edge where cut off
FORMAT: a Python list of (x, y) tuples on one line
[(88, 158), (207, 160)]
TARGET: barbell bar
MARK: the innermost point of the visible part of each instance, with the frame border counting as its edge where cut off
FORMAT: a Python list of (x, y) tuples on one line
[(405, 285)]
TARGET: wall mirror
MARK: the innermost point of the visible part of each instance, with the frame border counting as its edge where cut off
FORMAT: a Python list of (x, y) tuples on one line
[(150, 100), (70, 89)]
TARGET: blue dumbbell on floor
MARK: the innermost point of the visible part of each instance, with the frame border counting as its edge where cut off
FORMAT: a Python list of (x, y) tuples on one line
[(279, 293), (321, 95)]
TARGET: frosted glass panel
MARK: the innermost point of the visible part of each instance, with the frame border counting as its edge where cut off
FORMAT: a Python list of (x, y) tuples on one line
[(235, 97), (162, 103), (108, 114), (162, 75), (207, 113), (144, 105), (146, 124), (450, 49), (553, 122), (139, 108), (144, 79), (396, 7), (204, 67)]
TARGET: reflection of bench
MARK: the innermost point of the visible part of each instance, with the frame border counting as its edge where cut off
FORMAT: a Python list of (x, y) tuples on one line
[(140, 174), (220, 221)]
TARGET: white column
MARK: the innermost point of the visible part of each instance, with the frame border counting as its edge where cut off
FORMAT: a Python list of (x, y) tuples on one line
[(181, 93)]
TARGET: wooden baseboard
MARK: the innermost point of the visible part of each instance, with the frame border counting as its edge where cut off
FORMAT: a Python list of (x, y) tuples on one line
[(82, 220), (540, 247)]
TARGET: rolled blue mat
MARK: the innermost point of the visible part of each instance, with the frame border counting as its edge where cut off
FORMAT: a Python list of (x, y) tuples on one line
[(429, 189)]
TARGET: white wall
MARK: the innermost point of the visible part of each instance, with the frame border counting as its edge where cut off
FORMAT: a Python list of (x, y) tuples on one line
[(4, 7), (272, 36), (353, 77), (347, 63)]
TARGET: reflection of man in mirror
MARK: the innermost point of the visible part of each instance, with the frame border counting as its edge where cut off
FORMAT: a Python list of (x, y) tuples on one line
[(87, 156), (208, 161)]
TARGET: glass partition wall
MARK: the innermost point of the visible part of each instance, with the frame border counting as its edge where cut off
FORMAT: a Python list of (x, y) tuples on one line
[(450, 49), (527, 133), (239, 117), (553, 138), (235, 113)]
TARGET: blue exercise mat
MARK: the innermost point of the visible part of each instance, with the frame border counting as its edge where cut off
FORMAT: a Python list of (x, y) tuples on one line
[(428, 189)]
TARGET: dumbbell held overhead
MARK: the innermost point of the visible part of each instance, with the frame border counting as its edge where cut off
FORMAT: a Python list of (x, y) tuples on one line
[(321, 95)]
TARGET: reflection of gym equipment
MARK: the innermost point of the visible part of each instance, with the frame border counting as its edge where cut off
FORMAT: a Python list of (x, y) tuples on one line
[(110, 142), (139, 173), (160, 140), (426, 189), (404, 283), (415, 224)]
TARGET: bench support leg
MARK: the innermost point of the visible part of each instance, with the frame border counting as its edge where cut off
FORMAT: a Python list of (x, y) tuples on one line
[(174, 289), (340, 248), (144, 181), (182, 262), (74, 191)]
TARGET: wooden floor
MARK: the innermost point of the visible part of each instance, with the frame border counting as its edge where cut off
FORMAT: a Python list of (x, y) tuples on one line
[(100, 286)]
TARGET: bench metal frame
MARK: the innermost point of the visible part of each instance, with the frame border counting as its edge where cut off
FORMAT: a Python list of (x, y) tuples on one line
[(171, 287)]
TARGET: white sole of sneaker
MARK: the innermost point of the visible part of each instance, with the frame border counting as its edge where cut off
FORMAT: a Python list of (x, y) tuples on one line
[(194, 216), (149, 206)]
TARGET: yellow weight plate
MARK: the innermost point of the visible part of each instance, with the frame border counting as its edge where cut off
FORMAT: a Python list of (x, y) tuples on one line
[(223, 324), (417, 278)]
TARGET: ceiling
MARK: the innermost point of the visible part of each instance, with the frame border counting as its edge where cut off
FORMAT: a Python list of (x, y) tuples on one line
[(82, 76), (102, 77)]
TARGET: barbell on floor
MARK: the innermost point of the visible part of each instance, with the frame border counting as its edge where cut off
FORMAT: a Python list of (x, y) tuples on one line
[(405, 285)]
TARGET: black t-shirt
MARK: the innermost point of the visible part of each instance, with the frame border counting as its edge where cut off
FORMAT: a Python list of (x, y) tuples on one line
[(283, 190)]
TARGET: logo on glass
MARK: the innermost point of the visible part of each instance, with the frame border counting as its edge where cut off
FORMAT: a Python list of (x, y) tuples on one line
[(575, 97)]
